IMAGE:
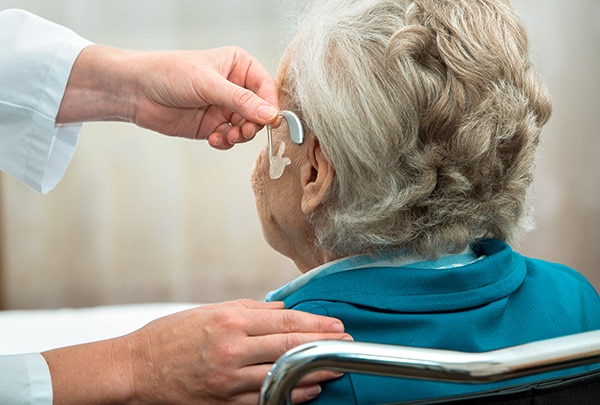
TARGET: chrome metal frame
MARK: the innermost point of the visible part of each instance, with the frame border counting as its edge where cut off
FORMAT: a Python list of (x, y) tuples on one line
[(431, 364)]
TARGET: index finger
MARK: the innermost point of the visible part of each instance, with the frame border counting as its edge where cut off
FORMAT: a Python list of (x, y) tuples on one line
[(257, 89), (253, 304), (268, 322), (248, 72)]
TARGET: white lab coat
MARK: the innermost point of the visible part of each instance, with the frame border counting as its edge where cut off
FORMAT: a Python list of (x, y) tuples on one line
[(36, 57)]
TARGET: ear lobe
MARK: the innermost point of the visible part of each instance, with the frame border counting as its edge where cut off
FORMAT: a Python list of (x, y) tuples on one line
[(317, 177)]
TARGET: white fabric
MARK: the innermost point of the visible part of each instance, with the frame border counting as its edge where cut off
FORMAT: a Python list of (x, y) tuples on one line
[(25, 379), (26, 331), (36, 57)]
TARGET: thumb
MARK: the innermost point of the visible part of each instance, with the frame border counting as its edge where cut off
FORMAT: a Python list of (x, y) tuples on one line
[(246, 103)]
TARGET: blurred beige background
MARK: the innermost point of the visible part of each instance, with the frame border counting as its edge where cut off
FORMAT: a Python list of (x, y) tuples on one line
[(142, 218)]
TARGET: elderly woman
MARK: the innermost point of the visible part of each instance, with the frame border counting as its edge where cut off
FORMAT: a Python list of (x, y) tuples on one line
[(422, 120)]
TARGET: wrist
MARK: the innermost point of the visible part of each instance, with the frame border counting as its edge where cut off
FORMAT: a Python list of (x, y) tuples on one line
[(101, 87), (93, 373)]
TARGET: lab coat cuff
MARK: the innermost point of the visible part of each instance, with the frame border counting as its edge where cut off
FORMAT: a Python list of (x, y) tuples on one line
[(51, 155), (25, 379)]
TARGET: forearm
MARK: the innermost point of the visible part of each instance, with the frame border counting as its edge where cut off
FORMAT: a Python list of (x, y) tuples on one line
[(217, 354), (102, 86), (94, 373)]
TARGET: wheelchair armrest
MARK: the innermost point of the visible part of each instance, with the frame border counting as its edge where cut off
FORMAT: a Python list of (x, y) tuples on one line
[(431, 364)]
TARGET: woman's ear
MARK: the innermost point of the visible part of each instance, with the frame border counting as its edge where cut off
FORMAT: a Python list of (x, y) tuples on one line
[(317, 176)]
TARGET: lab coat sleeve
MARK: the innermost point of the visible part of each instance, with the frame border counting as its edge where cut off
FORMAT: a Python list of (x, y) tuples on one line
[(25, 380), (36, 57)]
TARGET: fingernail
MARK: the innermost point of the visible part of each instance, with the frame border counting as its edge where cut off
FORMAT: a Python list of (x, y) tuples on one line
[(348, 337), (313, 391), (337, 327), (267, 113), (252, 134)]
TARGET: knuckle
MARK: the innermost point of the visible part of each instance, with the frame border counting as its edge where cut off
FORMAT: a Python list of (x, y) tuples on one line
[(243, 96), (288, 321), (291, 341), (230, 320), (245, 302), (230, 352), (236, 49)]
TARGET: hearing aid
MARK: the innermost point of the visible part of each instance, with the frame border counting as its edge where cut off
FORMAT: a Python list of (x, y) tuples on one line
[(277, 163)]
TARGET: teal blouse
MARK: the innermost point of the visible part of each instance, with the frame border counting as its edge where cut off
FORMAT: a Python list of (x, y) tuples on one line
[(484, 299)]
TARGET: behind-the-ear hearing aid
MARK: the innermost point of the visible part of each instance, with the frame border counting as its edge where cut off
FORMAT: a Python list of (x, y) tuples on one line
[(279, 162)]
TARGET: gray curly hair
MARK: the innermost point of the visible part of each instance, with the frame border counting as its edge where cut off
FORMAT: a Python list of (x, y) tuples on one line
[(430, 111)]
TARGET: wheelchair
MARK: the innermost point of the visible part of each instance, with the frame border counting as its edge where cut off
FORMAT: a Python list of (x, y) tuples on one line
[(453, 366)]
